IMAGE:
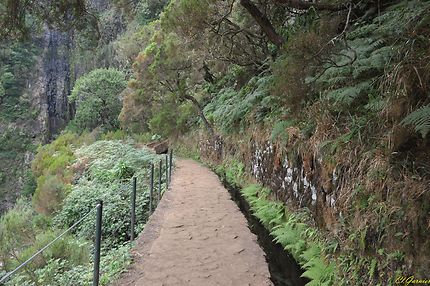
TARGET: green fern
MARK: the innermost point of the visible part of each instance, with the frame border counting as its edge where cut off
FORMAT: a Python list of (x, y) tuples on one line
[(269, 213), (370, 50), (279, 130), (319, 272), (347, 95), (313, 251), (250, 191), (419, 118)]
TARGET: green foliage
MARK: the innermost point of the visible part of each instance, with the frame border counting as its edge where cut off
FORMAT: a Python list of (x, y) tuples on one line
[(107, 167), (233, 111), (235, 172), (60, 272), (290, 230), (114, 135), (50, 192), (149, 10), (279, 131), (13, 140), (172, 119), (2, 91), (420, 119), (30, 184), (295, 236), (50, 168), (20, 19), (351, 77), (96, 95), (23, 232), (16, 63), (101, 170)]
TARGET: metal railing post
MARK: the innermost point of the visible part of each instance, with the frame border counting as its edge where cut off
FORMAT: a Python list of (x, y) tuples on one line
[(160, 174), (170, 164), (96, 276), (167, 172), (151, 188), (133, 208)]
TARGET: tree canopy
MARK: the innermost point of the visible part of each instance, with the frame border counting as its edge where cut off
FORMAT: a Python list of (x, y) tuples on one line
[(97, 98)]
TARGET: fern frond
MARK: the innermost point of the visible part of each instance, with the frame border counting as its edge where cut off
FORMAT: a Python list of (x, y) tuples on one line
[(279, 130), (362, 31), (312, 252), (419, 118), (346, 95)]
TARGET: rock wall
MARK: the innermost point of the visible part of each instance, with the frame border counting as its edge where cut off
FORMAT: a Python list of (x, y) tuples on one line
[(52, 83), (364, 212), (302, 182), (57, 79)]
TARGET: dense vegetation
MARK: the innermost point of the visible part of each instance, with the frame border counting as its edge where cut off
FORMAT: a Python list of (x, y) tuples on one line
[(73, 173), (334, 86), (343, 88), (96, 96)]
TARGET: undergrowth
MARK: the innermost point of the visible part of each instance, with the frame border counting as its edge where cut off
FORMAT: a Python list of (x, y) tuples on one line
[(292, 231), (91, 171)]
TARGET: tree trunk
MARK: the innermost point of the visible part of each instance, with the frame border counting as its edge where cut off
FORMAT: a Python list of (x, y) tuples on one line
[(263, 21), (201, 114), (304, 5)]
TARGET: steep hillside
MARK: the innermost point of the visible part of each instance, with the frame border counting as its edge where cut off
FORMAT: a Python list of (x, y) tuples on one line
[(319, 111), (37, 75), (323, 105), (85, 172)]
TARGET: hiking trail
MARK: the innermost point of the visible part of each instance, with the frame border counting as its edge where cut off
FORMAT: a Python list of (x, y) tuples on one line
[(196, 236)]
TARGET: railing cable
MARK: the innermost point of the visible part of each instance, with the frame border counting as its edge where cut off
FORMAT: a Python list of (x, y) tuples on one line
[(8, 275)]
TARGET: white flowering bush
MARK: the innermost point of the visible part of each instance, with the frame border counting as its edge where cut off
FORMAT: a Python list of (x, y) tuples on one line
[(103, 171)]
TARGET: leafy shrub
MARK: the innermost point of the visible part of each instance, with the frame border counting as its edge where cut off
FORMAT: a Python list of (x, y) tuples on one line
[(107, 169), (23, 232), (114, 135), (49, 193), (60, 272), (50, 168), (30, 184), (110, 166), (96, 95), (233, 111)]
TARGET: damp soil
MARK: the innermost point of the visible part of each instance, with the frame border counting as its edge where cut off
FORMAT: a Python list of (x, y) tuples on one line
[(284, 269)]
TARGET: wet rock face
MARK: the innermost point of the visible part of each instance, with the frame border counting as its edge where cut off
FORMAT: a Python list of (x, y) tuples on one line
[(46, 91), (298, 180), (56, 79)]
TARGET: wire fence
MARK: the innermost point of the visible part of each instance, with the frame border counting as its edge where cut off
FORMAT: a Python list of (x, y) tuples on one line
[(99, 218)]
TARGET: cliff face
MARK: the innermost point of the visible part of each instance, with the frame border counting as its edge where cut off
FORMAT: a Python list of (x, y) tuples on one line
[(57, 79), (42, 110), (52, 83)]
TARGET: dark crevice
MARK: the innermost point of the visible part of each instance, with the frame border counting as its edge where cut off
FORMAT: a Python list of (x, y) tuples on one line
[(284, 270)]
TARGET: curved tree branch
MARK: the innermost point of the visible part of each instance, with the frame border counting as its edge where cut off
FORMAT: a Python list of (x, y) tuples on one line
[(263, 22)]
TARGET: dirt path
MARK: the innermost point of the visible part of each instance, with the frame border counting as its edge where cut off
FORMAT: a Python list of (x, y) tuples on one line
[(197, 236)]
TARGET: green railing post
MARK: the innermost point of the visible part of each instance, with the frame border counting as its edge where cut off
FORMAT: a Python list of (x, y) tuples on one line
[(167, 172), (151, 188), (98, 240), (170, 164), (160, 174), (133, 208)]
